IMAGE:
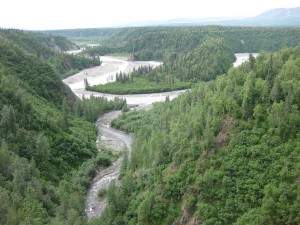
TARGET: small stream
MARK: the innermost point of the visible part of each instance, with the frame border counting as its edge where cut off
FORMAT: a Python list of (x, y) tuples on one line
[(114, 139)]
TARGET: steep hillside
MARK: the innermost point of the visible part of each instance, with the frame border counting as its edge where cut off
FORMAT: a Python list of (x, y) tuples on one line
[(226, 152), (47, 142), (29, 40), (179, 39)]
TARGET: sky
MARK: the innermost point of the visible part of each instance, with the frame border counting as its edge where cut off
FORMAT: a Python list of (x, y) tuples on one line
[(67, 14)]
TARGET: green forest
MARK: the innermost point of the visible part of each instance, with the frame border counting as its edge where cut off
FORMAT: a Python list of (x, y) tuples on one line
[(189, 54), (163, 43), (48, 152), (226, 152)]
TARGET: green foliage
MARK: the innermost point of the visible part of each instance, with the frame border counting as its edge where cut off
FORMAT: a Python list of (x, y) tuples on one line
[(139, 86), (225, 152), (91, 108), (85, 37), (204, 63), (101, 193)]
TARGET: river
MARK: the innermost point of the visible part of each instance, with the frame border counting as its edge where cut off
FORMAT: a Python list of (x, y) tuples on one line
[(242, 57), (108, 136), (117, 141)]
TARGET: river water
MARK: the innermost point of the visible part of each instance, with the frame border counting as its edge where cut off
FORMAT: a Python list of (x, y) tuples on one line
[(107, 73), (116, 140), (242, 57)]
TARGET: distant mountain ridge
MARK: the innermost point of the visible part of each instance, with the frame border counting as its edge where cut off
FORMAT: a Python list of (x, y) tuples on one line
[(273, 17), (280, 13)]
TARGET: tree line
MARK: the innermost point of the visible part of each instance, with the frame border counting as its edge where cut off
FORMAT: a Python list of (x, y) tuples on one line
[(163, 43)]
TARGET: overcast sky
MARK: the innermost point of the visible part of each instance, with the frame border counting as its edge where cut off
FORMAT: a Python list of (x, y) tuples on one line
[(62, 14)]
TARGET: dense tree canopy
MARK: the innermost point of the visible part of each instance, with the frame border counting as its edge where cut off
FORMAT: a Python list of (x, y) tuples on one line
[(49, 50), (163, 43), (226, 152), (48, 152)]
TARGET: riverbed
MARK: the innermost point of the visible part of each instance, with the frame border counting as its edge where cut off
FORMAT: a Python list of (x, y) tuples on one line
[(107, 73), (117, 141), (114, 139)]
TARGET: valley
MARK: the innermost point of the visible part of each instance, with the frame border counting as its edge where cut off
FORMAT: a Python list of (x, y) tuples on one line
[(225, 150), (108, 136)]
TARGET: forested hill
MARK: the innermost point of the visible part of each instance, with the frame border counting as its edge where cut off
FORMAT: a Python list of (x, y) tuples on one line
[(225, 152), (49, 49), (31, 39), (204, 63), (213, 57), (47, 140), (161, 43)]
